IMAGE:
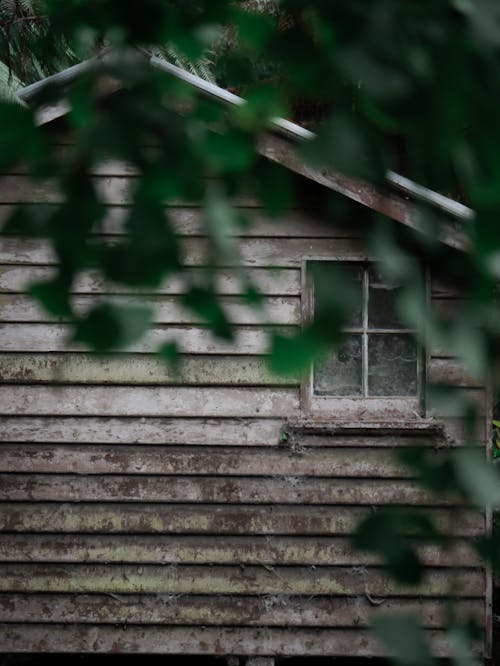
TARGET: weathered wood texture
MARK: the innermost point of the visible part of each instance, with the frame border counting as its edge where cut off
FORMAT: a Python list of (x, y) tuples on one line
[(170, 460), (270, 282), (71, 368), (140, 369), (168, 310), (211, 489), (184, 502), (254, 252), (197, 640), (144, 579), (210, 432), (273, 611), (213, 519), (248, 340), (148, 401), (231, 550)]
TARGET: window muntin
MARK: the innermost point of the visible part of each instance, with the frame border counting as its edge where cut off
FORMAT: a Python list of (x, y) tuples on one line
[(378, 362)]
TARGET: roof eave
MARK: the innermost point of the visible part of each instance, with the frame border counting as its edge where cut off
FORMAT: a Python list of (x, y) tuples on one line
[(391, 205)]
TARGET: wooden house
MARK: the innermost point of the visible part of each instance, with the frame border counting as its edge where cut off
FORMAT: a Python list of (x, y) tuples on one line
[(212, 515)]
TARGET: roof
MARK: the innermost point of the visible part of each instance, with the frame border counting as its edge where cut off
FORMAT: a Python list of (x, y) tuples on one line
[(278, 145)]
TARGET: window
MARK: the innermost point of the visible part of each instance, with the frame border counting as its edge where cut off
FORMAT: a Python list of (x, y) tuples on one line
[(376, 369)]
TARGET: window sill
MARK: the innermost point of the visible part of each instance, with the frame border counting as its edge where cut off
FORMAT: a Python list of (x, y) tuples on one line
[(321, 426)]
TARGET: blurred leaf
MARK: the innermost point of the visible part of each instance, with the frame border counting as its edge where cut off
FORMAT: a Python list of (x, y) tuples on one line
[(294, 355), (82, 109), (449, 401), (461, 647), (204, 302), (108, 326), (253, 29), (170, 353), (403, 639), (262, 104), (386, 533), (342, 144), (488, 548), (221, 222), (54, 296), (29, 221), (232, 151), (477, 477), (151, 252), (274, 188), (436, 472), (20, 139)]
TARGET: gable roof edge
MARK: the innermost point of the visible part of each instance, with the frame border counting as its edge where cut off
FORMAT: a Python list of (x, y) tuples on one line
[(393, 206)]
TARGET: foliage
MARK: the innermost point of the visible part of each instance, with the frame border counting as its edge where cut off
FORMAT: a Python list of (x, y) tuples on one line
[(400, 85)]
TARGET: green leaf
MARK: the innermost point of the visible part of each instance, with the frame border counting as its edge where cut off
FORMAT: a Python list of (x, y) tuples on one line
[(254, 29), (477, 477), (204, 302), (385, 533), (436, 472), (229, 152), (274, 187), (20, 139), (461, 648), (342, 144), (403, 639), (294, 355), (54, 296), (29, 221), (262, 104), (221, 222), (170, 353), (108, 326)]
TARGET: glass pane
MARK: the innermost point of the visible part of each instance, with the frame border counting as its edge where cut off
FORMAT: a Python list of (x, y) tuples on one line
[(340, 373), (392, 365), (381, 303), (327, 276)]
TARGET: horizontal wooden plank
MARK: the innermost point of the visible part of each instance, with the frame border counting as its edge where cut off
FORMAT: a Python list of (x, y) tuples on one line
[(148, 401), (188, 221), (144, 579), (196, 431), (253, 252), (212, 519), (449, 308), (457, 431), (130, 430), (281, 490), (190, 340), (167, 310), (234, 550), (46, 638), (454, 407), (128, 369), (111, 190), (451, 372), (272, 282), (222, 611), (186, 460), (441, 288)]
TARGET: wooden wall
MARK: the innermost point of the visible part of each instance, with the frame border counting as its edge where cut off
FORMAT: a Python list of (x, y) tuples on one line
[(140, 513)]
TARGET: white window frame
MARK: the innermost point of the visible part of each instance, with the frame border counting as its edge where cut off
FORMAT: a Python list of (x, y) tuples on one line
[(364, 408)]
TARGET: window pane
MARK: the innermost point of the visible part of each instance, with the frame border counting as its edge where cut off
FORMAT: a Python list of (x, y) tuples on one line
[(340, 373), (392, 365), (327, 277), (381, 304)]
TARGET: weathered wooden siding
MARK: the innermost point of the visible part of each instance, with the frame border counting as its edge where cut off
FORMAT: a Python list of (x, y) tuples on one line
[(173, 507)]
